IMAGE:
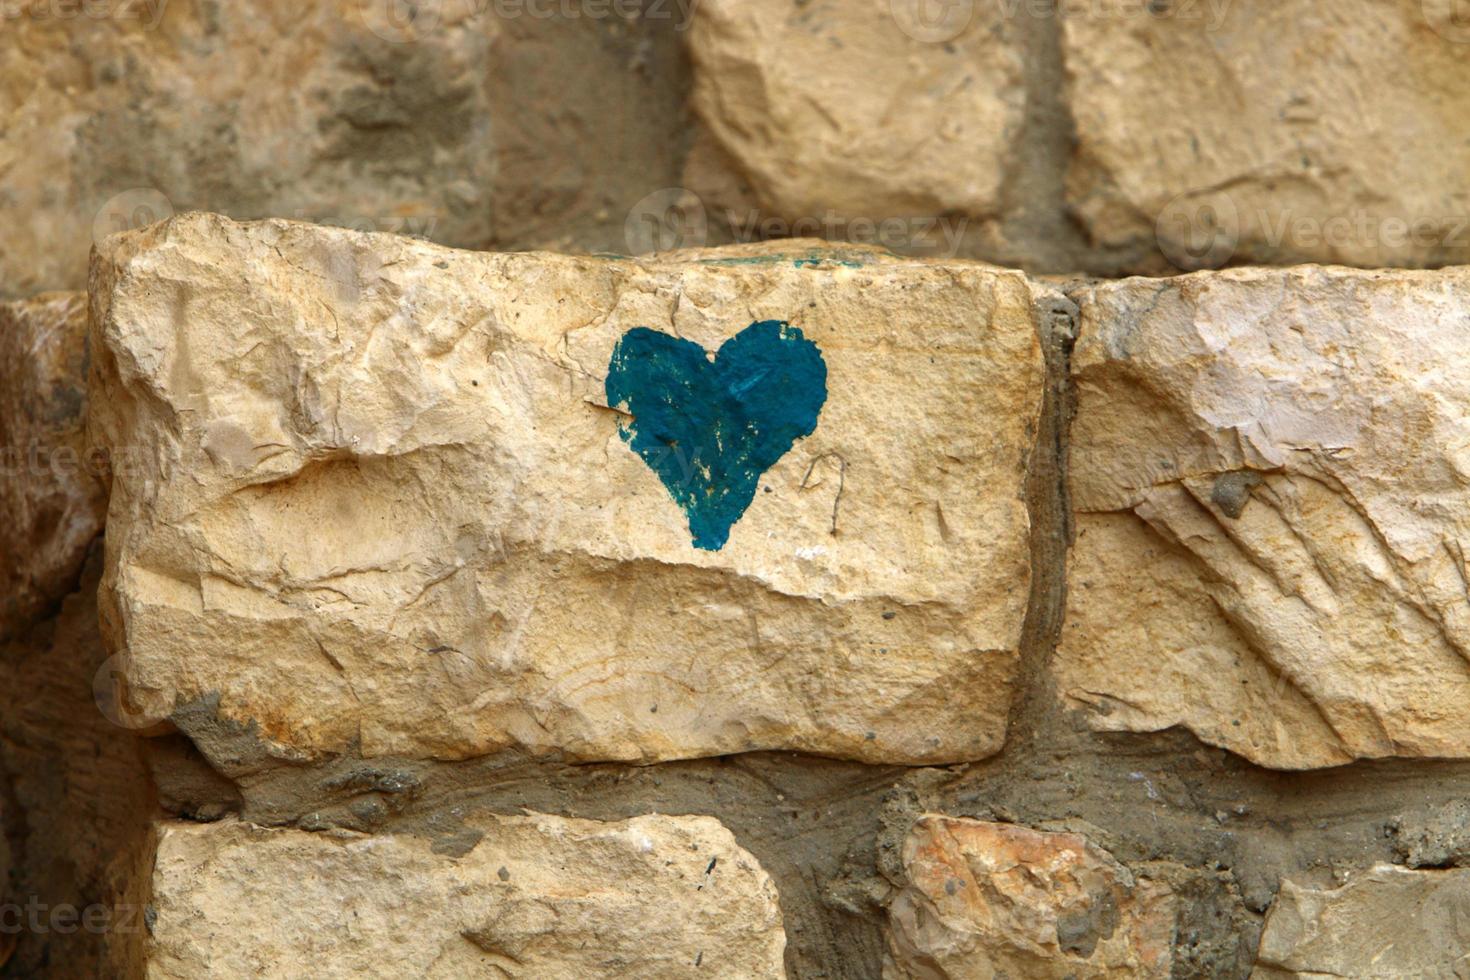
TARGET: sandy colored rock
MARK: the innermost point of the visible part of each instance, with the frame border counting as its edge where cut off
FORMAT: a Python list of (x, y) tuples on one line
[(832, 107), (1385, 922), (990, 900), (381, 503), (463, 126), (1260, 131), (541, 896), (50, 493), (1270, 470)]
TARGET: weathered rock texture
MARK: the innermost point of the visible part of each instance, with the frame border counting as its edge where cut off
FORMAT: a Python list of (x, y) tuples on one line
[(465, 127), (50, 492), (990, 899), (541, 896), (1260, 131), (1093, 135), (384, 576), (1385, 922), (833, 108), (377, 501), (1272, 477), (358, 483)]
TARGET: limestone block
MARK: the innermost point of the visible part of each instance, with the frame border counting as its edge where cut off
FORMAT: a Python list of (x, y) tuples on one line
[(50, 492), (1272, 475), (854, 109), (381, 501), (1385, 922), (989, 900), (1252, 130), (536, 896)]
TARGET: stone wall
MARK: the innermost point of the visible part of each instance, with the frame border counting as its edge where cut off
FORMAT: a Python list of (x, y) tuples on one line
[(758, 608), (1059, 136), (1104, 136), (463, 127)]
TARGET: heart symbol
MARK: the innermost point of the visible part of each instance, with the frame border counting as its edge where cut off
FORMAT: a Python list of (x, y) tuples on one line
[(709, 427)]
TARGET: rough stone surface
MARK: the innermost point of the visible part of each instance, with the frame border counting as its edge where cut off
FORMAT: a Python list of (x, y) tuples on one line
[(541, 896), (372, 499), (991, 899), (1261, 131), (50, 493), (1270, 470), (464, 127), (1386, 921), (1438, 839), (378, 501), (833, 107)]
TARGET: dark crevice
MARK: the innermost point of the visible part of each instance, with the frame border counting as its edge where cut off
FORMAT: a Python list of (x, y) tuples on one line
[(1038, 230), (1051, 523)]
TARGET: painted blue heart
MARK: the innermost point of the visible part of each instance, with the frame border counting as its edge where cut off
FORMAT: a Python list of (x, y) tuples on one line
[(710, 428)]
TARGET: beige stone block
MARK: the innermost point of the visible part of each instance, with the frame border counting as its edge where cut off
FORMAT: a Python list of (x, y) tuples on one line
[(1271, 470), (380, 502), (543, 896), (861, 109), (1253, 130), (1386, 921)]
